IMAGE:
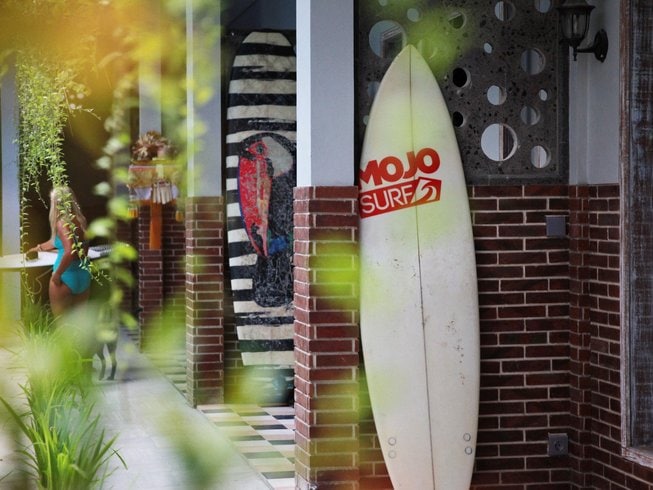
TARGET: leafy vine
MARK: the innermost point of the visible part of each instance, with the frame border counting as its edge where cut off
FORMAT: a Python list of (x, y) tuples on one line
[(49, 91)]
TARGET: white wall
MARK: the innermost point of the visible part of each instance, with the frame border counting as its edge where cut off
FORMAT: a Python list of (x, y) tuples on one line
[(10, 234), (203, 120), (325, 93), (594, 105)]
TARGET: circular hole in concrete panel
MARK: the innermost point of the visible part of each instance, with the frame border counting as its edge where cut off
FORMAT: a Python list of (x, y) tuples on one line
[(532, 61), (529, 115), (504, 10), (457, 119), (496, 95), (542, 6), (540, 157), (426, 48), (456, 20), (488, 48), (499, 142), (413, 14), (387, 38), (543, 95), (372, 89), (460, 77)]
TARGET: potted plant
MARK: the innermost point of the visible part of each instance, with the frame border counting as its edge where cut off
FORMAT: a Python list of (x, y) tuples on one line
[(152, 145)]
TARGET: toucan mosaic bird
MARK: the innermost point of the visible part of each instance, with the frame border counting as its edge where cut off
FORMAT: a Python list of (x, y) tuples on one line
[(265, 181)]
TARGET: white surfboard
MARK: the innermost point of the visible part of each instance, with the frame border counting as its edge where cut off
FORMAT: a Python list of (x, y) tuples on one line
[(419, 301)]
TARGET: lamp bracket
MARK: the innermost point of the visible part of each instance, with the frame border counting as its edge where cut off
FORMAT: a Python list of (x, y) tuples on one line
[(599, 47)]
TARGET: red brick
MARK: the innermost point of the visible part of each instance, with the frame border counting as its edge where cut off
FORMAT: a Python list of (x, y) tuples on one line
[(522, 257), (522, 204), (325, 192), (497, 191), (498, 218), (521, 231), (477, 205), (303, 193), (521, 311)]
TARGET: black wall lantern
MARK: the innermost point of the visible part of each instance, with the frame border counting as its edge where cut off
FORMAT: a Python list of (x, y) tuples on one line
[(575, 20)]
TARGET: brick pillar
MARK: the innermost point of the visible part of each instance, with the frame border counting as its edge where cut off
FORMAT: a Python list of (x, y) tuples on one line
[(326, 338), (160, 273), (205, 300), (150, 278), (580, 336), (127, 233), (174, 268)]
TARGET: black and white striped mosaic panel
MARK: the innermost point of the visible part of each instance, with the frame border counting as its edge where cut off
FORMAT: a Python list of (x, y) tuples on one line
[(260, 171)]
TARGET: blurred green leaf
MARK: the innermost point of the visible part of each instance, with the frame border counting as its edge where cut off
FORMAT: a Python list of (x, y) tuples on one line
[(119, 208), (102, 189), (101, 227), (121, 251), (104, 162)]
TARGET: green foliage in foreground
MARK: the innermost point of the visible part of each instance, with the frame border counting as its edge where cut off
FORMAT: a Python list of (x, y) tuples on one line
[(67, 449)]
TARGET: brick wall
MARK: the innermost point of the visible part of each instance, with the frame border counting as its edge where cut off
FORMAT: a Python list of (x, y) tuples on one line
[(204, 283), (523, 280), (550, 349), (524, 300), (127, 233), (373, 473), (235, 375), (326, 337), (550, 342), (595, 325), (580, 383), (150, 275), (174, 264), (603, 306), (160, 273)]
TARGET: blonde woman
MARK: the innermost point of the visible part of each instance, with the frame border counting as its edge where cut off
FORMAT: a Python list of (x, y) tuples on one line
[(70, 282)]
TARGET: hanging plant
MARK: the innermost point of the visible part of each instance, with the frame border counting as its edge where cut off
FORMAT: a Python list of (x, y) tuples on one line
[(42, 117), (48, 90), (45, 89)]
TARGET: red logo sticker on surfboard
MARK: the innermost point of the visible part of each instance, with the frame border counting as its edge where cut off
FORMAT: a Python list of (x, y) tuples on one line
[(390, 184)]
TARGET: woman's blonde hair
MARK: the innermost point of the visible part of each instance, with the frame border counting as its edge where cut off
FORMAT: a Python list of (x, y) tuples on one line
[(64, 204)]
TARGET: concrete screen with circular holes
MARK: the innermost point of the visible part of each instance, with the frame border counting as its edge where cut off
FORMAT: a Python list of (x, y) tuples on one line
[(501, 68)]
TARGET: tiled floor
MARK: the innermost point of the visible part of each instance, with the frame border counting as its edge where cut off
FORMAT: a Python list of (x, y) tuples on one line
[(173, 366), (264, 435)]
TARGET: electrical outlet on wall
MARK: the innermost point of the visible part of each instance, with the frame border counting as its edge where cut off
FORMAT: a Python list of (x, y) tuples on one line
[(558, 445), (556, 226)]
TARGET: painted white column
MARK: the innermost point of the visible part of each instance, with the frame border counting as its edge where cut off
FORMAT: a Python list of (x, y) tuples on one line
[(325, 93), (204, 121), (594, 98), (10, 281), (149, 85), (149, 96)]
